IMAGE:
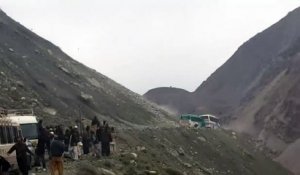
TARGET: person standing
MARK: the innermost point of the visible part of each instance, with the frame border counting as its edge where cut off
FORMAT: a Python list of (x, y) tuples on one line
[(113, 143), (57, 149), (106, 138), (86, 141), (40, 148), (74, 143), (21, 149)]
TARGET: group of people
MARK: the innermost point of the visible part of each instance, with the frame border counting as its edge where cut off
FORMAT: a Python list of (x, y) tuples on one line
[(74, 142)]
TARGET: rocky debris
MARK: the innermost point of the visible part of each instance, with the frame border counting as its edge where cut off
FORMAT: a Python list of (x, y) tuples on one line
[(106, 172), (49, 51), (171, 171), (141, 149), (173, 152), (50, 111), (233, 135), (202, 139), (86, 97), (134, 155), (148, 172), (181, 151), (188, 165)]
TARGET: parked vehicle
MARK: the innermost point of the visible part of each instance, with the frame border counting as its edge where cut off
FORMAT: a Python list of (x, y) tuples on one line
[(28, 124), (9, 130)]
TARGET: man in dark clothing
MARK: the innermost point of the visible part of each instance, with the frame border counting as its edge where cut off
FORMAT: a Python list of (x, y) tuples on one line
[(57, 149), (21, 150), (74, 143), (86, 140), (106, 138), (67, 139), (40, 149), (95, 121), (4, 166), (60, 133)]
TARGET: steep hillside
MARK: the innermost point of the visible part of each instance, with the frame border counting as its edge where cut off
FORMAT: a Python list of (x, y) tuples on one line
[(242, 73), (272, 114), (258, 89), (174, 99), (179, 151), (36, 74), (237, 80)]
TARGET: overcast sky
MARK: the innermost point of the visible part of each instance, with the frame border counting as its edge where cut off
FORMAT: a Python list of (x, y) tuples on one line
[(144, 44)]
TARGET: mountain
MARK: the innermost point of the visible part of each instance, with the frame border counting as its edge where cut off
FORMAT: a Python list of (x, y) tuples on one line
[(172, 99), (36, 74), (257, 90)]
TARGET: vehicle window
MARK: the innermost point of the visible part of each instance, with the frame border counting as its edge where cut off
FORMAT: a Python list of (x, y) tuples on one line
[(9, 134), (185, 117), (205, 117), (3, 135), (213, 119), (196, 119), (15, 132), (29, 131)]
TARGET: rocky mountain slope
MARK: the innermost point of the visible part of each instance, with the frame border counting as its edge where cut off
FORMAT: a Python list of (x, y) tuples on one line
[(173, 99), (179, 151), (34, 73), (236, 80), (258, 90)]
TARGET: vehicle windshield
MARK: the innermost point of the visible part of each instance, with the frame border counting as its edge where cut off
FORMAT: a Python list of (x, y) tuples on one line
[(213, 119), (205, 117), (29, 130)]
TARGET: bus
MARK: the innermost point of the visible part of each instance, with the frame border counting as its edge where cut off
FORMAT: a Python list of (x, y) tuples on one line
[(9, 130), (211, 121), (191, 120), (199, 121)]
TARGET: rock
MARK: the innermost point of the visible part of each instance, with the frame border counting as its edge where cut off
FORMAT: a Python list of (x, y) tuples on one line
[(181, 151), (65, 70), (20, 83), (188, 165), (50, 52), (141, 149), (134, 155), (86, 97), (151, 172), (23, 98), (202, 139), (11, 49), (106, 172), (13, 89), (173, 152), (50, 111)]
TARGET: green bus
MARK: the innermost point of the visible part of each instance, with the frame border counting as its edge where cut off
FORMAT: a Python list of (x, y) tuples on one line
[(199, 121)]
